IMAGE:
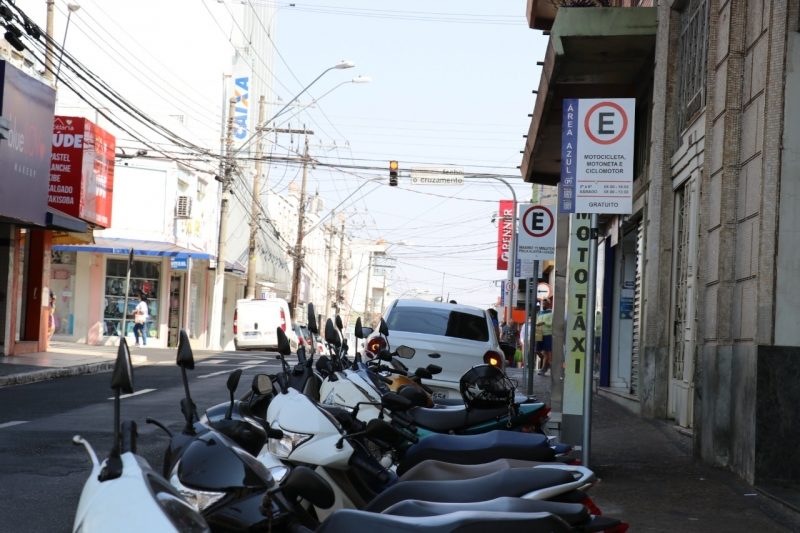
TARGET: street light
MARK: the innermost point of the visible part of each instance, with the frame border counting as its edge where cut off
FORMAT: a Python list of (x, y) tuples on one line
[(72, 8), (338, 66)]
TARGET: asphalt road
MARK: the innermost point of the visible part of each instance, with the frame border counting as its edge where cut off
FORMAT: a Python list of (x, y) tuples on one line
[(42, 472)]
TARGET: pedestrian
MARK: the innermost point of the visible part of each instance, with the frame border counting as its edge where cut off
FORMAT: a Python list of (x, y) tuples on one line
[(140, 316), (544, 325), (51, 323)]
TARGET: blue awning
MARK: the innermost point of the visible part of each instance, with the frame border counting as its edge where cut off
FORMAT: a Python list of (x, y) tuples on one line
[(104, 245)]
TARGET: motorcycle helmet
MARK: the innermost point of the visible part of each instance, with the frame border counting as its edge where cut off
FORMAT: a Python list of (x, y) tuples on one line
[(486, 387)]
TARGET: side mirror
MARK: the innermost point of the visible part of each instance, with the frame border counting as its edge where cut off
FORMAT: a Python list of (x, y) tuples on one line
[(405, 352), (383, 329), (232, 383), (185, 357), (331, 335), (339, 323), (302, 482), (359, 331), (283, 342), (312, 320), (434, 369), (262, 385), (395, 402), (122, 377)]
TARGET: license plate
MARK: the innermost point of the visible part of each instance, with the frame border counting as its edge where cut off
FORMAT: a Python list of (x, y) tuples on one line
[(251, 333), (439, 395)]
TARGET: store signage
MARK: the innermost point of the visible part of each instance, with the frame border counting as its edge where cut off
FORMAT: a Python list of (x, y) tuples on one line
[(240, 91), (179, 263), (597, 140), (27, 115), (82, 170), (505, 229)]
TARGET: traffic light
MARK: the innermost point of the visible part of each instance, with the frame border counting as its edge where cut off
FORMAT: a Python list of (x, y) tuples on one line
[(393, 166)]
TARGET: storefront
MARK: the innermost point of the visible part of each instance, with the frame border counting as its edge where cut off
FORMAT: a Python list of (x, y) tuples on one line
[(27, 110)]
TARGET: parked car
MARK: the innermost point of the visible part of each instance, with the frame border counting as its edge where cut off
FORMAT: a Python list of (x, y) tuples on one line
[(453, 336), (255, 322)]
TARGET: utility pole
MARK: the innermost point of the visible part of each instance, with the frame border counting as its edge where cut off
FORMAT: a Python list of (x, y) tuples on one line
[(48, 50), (298, 247), (340, 269), (255, 208), (330, 288), (215, 329)]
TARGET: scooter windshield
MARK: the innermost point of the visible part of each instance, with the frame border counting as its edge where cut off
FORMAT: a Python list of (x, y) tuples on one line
[(213, 462)]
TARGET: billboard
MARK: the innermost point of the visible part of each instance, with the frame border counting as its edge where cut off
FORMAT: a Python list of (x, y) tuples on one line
[(27, 109), (505, 229), (82, 170)]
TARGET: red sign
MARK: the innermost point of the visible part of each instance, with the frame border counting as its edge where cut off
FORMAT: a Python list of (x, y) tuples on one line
[(82, 170), (505, 229)]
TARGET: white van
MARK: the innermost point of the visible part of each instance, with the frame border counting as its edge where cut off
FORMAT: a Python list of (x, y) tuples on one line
[(255, 323)]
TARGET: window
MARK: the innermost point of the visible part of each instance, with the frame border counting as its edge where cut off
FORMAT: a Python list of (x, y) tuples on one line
[(693, 48), (439, 321), (145, 276)]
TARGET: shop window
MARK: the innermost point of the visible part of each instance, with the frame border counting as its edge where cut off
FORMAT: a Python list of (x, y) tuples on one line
[(62, 286), (145, 276)]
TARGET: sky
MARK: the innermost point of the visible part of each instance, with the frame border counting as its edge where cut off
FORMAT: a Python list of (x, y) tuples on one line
[(451, 86)]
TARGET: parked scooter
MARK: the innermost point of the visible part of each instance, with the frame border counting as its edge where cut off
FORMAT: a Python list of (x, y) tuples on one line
[(123, 493)]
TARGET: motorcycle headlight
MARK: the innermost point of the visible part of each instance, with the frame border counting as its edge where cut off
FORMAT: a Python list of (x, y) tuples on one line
[(182, 514), (199, 499), (284, 446)]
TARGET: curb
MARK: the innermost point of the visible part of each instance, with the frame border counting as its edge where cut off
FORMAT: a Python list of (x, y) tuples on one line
[(54, 373)]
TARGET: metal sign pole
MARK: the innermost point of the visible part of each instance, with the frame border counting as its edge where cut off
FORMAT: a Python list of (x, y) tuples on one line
[(530, 342), (588, 375), (123, 333)]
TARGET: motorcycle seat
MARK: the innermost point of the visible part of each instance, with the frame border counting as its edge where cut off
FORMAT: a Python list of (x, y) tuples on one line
[(519, 399), (458, 522), (515, 483), (443, 471), (453, 419), (477, 449), (574, 514)]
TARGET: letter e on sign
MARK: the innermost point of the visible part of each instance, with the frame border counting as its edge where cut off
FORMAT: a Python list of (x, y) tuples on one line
[(606, 122)]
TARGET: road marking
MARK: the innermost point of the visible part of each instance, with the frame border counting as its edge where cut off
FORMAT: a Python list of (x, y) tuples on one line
[(254, 362), (224, 372), (137, 393), (12, 423), (212, 362)]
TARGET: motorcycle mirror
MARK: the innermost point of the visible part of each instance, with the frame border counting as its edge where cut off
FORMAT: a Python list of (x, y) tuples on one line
[(383, 329), (339, 323), (433, 369), (262, 385), (405, 352), (302, 482), (358, 331), (367, 332), (312, 320), (283, 342), (232, 383), (185, 357), (385, 355), (331, 335), (423, 373), (395, 402), (121, 381)]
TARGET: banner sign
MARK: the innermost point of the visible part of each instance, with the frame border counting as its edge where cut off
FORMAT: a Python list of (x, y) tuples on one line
[(27, 119), (82, 170), (505, 228), (597, 139), (575, 338), (240, 91)]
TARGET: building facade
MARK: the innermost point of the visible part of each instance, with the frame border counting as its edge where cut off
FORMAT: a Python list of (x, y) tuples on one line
[(697, 301)]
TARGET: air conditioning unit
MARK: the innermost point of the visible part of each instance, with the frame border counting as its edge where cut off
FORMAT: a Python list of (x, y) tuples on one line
[(183, 207)]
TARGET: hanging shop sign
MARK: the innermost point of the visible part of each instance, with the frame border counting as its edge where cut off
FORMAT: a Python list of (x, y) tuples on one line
[(82, 170), (597, 140), (27, 120), (505, 229)]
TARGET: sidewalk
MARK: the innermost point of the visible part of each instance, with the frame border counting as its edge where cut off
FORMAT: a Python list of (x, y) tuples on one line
[(650, 479), (72, 359)]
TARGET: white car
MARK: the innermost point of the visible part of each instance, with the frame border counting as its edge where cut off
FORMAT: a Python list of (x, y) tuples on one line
[(453, 336), (255, 322)]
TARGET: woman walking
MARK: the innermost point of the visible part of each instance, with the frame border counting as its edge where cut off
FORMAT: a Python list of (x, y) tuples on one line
[(140, 316)]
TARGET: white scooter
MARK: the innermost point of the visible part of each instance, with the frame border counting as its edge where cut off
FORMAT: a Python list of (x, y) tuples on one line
[(123, 493)]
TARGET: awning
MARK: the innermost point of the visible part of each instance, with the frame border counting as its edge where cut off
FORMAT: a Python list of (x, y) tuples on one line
[(592, 53), (56, 220), (106, 245)]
